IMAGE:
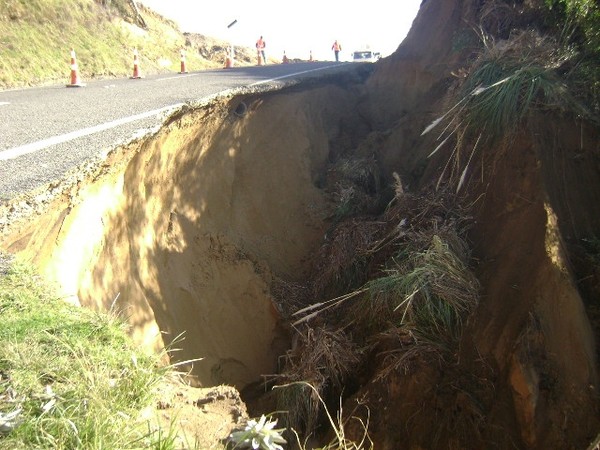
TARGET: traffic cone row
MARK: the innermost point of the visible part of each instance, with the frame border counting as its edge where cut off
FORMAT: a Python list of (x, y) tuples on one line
[(76, 81)]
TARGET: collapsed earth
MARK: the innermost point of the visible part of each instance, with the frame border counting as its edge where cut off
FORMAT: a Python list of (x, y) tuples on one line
[(413, 244)]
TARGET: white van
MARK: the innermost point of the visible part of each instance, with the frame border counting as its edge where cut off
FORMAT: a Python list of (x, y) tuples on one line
[(365, 56)]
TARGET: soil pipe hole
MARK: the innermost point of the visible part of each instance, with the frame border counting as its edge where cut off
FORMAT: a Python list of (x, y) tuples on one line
[(241, 109)]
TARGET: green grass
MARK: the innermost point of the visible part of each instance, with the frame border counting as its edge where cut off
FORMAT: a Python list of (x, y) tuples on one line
[(499, 110), (512, 78), (37, 37), (339, 441), (578, 19), (509, 81), (429, 291), (72, 375)]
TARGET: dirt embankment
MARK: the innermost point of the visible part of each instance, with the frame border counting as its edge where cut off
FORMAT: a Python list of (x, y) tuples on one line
[(194, 231), (528, 356), (186, 231)]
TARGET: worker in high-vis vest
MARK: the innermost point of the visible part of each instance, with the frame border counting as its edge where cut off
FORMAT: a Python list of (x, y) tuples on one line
[(260, 49), (337, 48)]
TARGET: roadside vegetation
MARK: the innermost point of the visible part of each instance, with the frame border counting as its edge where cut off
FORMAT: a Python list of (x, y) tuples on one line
[(37, 37), (70, 377), (398, 284), (391, 287), (394, 285), (550, 64)]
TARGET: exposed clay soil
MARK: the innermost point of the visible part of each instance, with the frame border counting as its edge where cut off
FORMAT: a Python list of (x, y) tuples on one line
[(209, 232)]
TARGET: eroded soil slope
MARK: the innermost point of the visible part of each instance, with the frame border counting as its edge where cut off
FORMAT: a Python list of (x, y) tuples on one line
[(213, 233), (186, 230)]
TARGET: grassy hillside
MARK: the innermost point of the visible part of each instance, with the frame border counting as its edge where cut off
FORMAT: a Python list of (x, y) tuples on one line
[(36, 37)]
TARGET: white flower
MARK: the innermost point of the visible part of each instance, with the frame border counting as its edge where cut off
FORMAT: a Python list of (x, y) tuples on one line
[(9, 421), (259, 435)]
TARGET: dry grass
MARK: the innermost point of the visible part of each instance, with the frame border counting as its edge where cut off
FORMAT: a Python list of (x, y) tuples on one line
[(322, 358), (417, 251), (291, 296), (499, 18), (356, 183), (508, 80), (338, 425), (342, 262), (416, 290)]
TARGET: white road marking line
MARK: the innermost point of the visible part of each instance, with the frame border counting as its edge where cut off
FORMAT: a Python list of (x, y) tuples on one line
[(15, 152), (39, 145), (4, 103), (293, 74), (177, 76)]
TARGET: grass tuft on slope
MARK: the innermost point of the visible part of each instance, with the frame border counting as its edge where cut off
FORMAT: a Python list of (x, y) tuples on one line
[(69, 377)]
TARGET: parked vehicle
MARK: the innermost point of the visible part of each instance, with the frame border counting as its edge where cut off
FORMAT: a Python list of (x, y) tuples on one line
[(366, 56)]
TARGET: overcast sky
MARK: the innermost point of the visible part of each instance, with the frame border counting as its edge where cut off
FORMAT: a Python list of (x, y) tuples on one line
[(296, 27)]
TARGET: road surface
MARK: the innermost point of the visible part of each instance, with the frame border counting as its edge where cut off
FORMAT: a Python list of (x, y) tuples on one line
[(46, 131)]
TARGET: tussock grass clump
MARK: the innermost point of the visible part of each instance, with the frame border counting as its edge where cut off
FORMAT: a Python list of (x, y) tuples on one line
[(322, 359), (507, 82), (426, 299), (341, 263), (69, 377), (417, 252), (356, 186), (509, 79), (430, 289), (416, 293)]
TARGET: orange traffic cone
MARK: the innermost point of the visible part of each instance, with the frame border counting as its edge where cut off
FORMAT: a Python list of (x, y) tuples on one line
[(136, 65), (75, 81), (183, 69), (259, 61)]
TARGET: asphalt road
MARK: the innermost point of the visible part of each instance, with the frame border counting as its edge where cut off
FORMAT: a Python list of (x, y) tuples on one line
[(45, 132)]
